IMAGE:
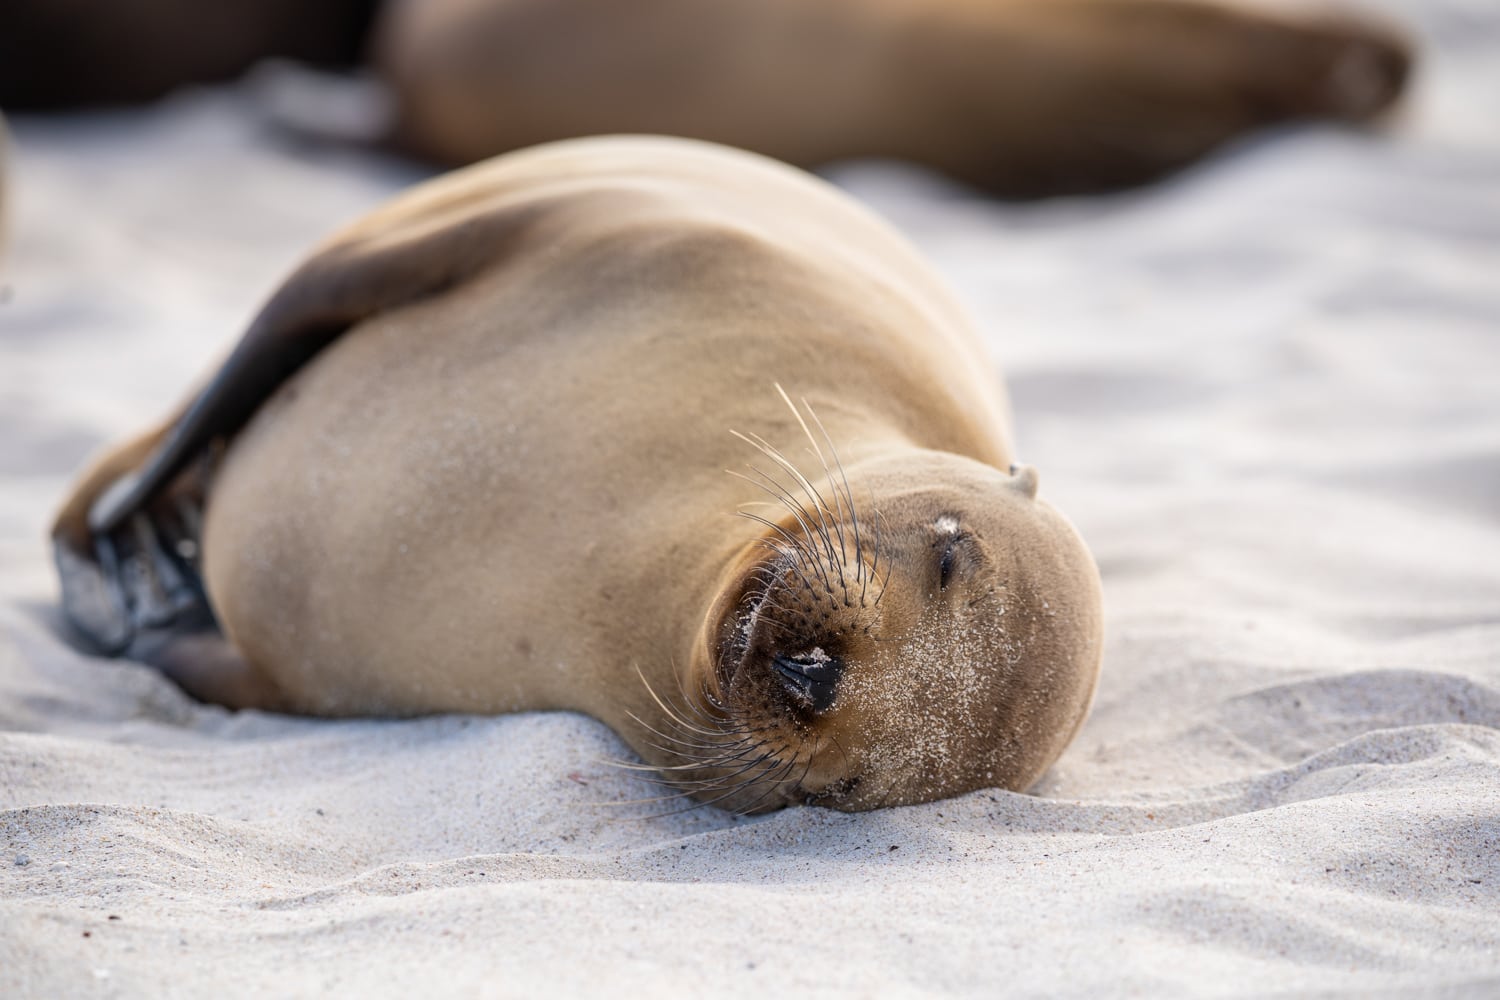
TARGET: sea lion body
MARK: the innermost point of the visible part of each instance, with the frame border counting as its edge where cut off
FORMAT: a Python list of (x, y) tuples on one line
[(509, 492), (571, 405), (1024, 98)]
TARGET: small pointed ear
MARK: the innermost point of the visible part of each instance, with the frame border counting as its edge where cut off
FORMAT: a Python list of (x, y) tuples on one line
[(1023, 478)]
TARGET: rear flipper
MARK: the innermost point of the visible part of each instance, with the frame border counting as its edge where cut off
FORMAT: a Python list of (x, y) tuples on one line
[(136, 590), (1099, 94), (142, 575)]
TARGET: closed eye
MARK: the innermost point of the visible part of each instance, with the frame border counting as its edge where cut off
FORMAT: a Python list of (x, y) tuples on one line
[(945, 565), (952, 552)]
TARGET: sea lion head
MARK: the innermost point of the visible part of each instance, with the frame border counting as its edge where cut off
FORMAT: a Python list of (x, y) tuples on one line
[(941, 635)]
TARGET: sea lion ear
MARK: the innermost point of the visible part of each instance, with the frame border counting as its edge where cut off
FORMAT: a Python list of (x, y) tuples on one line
[(1023, 478)]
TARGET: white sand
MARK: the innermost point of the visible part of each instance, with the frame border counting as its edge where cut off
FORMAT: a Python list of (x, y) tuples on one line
[(1268, 393)]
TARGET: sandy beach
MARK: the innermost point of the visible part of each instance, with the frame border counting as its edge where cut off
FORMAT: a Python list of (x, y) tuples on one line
[(1268, 394)]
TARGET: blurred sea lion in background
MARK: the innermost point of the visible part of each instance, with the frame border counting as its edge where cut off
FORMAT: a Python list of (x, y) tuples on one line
[(1022, 98), (4, 188), (60, 54)]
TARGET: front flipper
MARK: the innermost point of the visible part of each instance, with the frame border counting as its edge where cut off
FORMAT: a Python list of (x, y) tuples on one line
[(126, 542)]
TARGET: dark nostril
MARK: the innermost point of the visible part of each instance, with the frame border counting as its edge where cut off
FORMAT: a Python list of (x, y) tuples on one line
[(811, 678), (809, 668)]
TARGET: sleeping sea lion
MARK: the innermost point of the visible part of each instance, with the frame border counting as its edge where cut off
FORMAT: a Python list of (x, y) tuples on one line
[(1023, 98), (472, 457)]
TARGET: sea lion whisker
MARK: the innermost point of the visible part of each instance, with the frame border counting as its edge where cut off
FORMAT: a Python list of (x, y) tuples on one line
[(799, 512), (715, 783), (819, 505), (700, 755), (838, 525), (803, 545), (626, 765), (840, 553), (680, 748), (879, 520), (778, 626), (723, 722), (803, 555), (779, 457), (781, 778), (773, 623), (741, 786), (760, 599), (675, 717), (665, 775), (678, 740), (806, 770), (767, 571), (672, 715), (818, 569), (777, 490), (774, 783), (676, 720), (848, 497), (684, 737), (833, 485), (680, 796), (827, 522), (758, 752), (726, 733), (741, 748), (765, 574), (776, 455)]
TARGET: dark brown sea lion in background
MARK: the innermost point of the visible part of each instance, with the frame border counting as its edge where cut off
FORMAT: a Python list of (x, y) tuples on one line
[(61, 54), (501, 486), (1020, 97)]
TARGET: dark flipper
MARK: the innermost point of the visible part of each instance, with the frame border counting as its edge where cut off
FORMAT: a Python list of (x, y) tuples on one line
[(142, 577), (126, 543), (260, 363), (415, 257)]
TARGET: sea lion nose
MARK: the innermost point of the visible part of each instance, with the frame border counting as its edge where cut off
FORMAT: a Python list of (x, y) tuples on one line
[(1024, 478)]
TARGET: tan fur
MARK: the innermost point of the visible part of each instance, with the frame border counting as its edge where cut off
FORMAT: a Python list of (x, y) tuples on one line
[(509, 490), (1023, 97)]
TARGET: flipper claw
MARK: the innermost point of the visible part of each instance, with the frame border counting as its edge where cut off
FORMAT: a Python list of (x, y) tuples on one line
[(139, 582)]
